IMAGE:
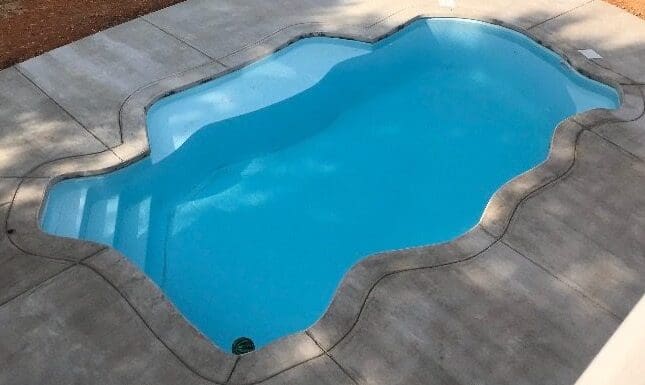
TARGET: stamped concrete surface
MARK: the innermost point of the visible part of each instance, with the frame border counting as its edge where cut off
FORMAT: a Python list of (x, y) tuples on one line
[(533, 305)]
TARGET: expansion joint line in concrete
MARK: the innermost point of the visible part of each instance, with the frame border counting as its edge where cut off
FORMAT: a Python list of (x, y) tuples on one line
[(560, 14), (29, 173), (145, 322), (8, 229), (632, 82), (11, 207), (396, 272), (175, 354), (571, 286), (618, 123), (180, 40), (125, 101), (392, 14), (628, 153), (278, 372), (282, 371), (30, 80), (267, 37), (539, 188), (136, 91), (52, 259), (552, 182), (230, 374), (35, 287), (585, 128), (332, 358), (40, 284), (72, 264)]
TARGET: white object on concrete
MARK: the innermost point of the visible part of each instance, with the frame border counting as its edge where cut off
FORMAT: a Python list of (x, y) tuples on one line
[(590, 53), (447, 3)]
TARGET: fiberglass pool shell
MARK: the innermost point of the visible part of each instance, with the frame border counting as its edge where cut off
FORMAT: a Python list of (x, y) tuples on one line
[(263, 187)]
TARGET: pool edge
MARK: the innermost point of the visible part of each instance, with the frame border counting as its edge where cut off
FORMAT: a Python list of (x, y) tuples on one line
[(161, 317)]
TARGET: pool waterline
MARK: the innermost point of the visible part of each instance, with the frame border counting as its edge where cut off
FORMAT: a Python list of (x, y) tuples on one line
[(337, 154)]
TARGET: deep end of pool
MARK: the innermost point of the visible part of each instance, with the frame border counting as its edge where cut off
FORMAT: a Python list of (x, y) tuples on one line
[(264, 186)]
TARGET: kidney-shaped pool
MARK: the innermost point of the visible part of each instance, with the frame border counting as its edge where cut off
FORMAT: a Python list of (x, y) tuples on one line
[(264, 186)]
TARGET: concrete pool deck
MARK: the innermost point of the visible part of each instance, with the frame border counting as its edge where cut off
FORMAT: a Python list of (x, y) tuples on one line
[(530, 296)]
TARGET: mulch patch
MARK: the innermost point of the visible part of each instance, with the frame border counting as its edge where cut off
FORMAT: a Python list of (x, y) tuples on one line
[(31, 27)]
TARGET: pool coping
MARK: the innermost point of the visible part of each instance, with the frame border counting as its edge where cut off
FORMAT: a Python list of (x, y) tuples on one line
[(161, 317)]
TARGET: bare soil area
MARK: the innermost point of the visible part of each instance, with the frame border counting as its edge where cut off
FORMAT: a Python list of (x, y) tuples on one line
[(31, 27), (637, 7)]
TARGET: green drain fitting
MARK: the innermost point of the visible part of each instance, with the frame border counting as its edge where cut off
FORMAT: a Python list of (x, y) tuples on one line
[(242, 345)]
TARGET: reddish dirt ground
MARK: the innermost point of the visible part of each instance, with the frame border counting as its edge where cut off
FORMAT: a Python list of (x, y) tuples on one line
[(637, 7), (31, 27)]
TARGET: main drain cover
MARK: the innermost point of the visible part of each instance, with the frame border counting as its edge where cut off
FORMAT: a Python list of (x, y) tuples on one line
[(242, 345)]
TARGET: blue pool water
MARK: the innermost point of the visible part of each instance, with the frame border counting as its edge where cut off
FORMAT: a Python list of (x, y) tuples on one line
[(265, 186)]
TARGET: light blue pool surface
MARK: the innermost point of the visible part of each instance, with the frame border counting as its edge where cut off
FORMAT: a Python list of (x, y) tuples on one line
[(264, 186)]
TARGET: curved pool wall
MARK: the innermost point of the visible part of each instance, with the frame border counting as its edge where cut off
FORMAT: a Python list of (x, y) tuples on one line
[(263, 187)]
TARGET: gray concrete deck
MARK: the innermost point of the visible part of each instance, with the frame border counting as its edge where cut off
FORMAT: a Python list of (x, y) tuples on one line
[(528, 297)]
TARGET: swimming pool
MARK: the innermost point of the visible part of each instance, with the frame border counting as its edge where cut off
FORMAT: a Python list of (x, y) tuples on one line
[(263, 187)]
